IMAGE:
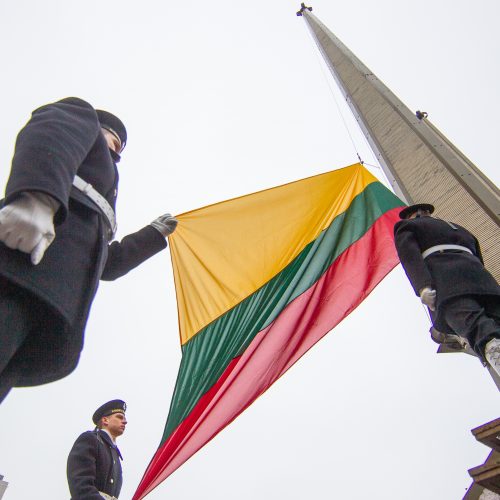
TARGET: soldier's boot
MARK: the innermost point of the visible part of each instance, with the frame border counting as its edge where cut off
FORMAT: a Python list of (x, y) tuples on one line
[(492, 354)]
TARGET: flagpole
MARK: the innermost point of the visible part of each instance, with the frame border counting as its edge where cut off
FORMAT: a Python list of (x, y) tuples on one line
[(422, 165)]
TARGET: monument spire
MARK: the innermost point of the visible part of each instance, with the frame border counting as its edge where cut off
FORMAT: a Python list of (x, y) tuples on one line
[(421, 164)]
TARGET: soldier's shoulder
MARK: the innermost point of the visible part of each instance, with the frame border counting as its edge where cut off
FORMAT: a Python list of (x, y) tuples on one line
[(87, 436), (69, 105), (402, 224), (75, 101)]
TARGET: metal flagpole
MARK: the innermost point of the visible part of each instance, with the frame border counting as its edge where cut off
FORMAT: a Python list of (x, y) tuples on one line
[(3, 486), (422, 165)]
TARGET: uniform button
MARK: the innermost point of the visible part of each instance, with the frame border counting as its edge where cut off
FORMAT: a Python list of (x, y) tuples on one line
[(111, 480)]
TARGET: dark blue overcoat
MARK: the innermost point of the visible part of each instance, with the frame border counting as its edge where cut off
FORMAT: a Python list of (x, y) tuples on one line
[(94, 465), (450, 274), (61, 140)]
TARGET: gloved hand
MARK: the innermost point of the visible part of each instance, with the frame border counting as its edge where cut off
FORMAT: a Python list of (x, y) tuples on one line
[(166, 224), (428, 297), (27, 224), (492, 354)]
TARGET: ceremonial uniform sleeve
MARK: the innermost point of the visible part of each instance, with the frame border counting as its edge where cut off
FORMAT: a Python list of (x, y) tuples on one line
[(131, 251), (478, 253), (81, 468), (50, 149), (410, 255)]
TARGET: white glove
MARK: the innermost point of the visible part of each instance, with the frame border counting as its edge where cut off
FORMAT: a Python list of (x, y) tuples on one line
[(27, 224), (166, 224), (492, 354), (428, 297), (488, 495)]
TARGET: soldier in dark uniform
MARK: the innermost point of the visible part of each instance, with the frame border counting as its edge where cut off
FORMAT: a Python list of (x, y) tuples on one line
[(94, 470), (57, 223), (444, 265)]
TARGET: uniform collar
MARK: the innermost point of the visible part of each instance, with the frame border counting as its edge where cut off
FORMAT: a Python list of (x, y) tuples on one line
[(107, 437)]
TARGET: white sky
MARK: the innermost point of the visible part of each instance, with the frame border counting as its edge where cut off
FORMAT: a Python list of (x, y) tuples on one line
[(222, 99)]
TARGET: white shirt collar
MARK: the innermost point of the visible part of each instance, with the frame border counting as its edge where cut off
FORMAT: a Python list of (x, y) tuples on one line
[(109, 434)]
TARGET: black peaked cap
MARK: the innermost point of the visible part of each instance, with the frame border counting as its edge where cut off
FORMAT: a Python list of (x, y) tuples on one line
[(113, 124), (407, 211), (114, 406)]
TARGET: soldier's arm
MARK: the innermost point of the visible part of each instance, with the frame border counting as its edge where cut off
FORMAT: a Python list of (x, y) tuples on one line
[(411, 257), (478, 251), (131, 251), (50, 148)]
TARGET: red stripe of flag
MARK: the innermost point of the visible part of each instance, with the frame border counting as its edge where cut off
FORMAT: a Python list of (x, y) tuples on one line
[(346, 283)]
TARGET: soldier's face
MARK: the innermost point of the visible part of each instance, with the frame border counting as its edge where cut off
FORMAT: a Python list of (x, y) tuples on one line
[(115, 424), (113, 142)]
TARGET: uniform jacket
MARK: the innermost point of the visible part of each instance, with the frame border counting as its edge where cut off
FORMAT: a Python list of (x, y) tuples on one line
[(450, 274), (62, 140), (93, 466)]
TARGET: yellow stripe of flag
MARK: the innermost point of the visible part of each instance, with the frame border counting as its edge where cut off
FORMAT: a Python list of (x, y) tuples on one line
[(224, 252)]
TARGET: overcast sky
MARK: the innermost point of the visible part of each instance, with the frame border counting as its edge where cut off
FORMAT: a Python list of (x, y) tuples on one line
[(222, 99)]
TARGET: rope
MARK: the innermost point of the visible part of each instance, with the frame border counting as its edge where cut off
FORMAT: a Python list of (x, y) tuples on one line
[(327, 78), (374, 166), (380, 170), (328, 82)]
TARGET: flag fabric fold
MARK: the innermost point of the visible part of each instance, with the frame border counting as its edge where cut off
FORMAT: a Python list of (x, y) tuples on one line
[(259, 280)]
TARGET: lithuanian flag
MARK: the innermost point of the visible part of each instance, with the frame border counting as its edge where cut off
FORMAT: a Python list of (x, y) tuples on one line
[(259, 280)]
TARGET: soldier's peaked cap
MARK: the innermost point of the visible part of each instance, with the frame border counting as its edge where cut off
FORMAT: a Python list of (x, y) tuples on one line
[(113, 124), (407, 211), (114, 406)]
